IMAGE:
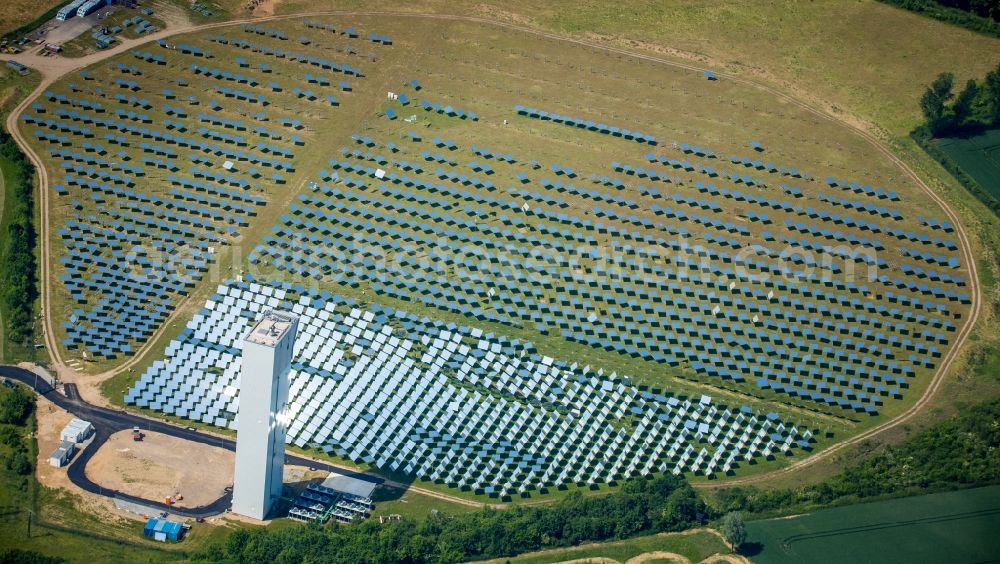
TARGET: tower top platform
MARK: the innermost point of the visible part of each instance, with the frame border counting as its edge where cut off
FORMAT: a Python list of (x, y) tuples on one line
[(271, 328)]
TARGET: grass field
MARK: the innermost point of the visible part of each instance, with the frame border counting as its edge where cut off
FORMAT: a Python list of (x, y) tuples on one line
[(947, 527), (835, 53), (61, 528), (695, 546), (19, 12), (412, 505), (978, 156)]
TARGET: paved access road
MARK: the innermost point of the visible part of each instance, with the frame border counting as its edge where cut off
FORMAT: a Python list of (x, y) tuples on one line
[(108, 422)]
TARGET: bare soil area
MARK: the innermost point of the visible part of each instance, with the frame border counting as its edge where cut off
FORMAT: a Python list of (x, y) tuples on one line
[(262, 7), (161, 466), (51, 420)]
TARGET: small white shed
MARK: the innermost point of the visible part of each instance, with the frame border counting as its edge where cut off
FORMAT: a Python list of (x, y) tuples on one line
[(62, 454), (76, 431)]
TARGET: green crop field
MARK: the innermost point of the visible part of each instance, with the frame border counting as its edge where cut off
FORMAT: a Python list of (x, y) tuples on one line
[(695, 546), (978, 156), (946, 527)]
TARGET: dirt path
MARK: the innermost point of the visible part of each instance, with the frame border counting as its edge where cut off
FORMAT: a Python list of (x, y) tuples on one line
[(54, 68), (659, 555), (265, 7), (172, 15), (726, 558)]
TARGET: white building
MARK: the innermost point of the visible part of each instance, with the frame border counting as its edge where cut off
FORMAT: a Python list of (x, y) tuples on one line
[(69, 10), (62, 454), (76, 431), (260, 421)]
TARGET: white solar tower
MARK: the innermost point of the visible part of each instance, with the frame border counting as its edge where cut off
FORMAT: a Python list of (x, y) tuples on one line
[(260, 438)]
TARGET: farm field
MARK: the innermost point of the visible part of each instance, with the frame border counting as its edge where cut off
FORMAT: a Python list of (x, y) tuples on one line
[(19, 12), (692, 546), (978, 156), (721, 266), (953, 527)]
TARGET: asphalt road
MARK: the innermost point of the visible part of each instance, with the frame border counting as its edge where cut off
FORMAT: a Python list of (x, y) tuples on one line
[(108, 422)]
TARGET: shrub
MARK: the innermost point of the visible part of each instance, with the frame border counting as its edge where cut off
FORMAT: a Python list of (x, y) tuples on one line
[(15, 405)]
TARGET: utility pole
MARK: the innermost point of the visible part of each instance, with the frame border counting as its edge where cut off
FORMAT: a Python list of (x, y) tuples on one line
[(29, 523)]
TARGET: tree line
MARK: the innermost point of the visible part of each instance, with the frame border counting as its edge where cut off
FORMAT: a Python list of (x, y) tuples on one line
[(18, 278), (641, 506), (16, 406), (18, 556), (975, 107), (982, 16), (960, 452)]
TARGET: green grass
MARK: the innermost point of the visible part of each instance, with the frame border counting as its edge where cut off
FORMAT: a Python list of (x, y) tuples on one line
[(977, 156), (946, 527), (694, 546), (562, 146), (966, 17), (22, 16), (413, 505), (860, 58)]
